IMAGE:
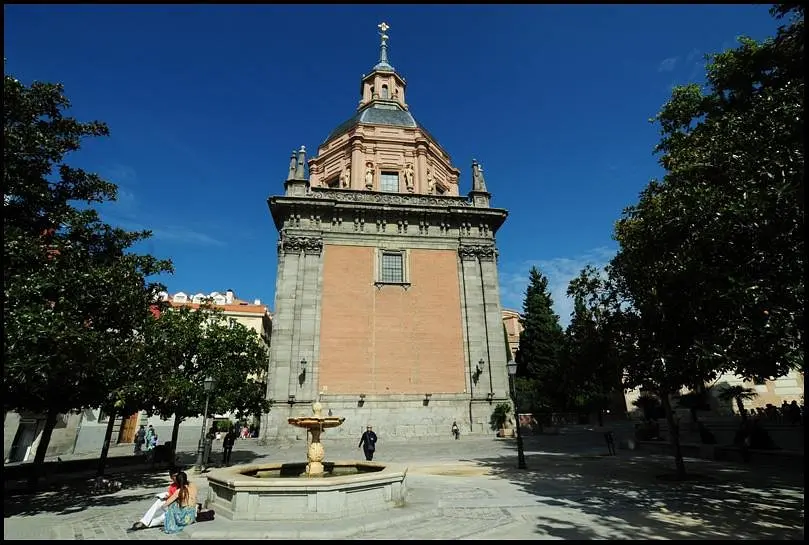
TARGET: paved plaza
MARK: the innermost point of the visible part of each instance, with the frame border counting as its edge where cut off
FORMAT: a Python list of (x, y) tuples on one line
[(471, 489)]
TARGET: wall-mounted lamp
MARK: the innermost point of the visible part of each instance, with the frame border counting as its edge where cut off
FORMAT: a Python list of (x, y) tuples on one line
[(362, 396), (302, 374), (291, 400), (481, 363), (490, 397)]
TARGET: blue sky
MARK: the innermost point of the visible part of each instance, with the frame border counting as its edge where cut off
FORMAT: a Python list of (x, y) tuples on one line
[(206, 102)]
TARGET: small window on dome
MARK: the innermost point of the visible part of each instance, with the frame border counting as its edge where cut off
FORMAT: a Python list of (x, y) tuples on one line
[(389, 181), (385, 92)]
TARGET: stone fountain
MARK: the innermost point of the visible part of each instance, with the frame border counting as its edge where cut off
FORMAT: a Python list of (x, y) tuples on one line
[(307, 491), (315, 425)]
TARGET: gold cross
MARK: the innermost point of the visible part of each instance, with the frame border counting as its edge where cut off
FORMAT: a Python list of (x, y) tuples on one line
[(383, 27)]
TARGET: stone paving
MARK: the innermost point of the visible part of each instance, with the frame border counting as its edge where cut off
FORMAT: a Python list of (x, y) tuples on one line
[(471, 489)]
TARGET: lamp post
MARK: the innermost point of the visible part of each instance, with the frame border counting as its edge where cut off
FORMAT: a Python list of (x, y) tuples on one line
[(512, 372), (208, 385)]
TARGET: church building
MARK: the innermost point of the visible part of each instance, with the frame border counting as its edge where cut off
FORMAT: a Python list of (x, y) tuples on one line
[(387, 306)]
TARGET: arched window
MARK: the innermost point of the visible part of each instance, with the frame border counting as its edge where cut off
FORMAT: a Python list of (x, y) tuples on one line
[(385, 92)]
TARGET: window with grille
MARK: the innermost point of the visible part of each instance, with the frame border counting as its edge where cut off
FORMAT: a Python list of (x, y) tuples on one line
[(392, 269), (389, 181)]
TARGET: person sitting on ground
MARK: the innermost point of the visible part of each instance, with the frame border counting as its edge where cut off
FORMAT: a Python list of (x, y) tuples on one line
[(157, 513), (181, 507)]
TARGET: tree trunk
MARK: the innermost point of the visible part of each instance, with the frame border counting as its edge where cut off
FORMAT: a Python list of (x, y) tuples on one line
[(175, 433), (740, 406), (694, 416), (674, 432), (42, 448), (600, 418), (105, 449)]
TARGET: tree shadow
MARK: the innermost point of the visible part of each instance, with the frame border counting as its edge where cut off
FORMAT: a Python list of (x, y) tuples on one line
[(237, 457), (70, 496), (590, 496)]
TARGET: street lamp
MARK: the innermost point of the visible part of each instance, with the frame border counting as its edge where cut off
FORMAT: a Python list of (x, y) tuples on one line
[(512, 372), (207, 384)]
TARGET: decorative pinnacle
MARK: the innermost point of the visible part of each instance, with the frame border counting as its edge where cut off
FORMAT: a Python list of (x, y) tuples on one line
[(478, 181), (293, 164), (299, 172), (383, 48)]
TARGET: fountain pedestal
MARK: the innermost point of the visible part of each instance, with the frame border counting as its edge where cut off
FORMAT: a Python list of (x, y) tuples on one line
[(315, 424)]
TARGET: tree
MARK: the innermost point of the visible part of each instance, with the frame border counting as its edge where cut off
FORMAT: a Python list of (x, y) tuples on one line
[(75, 296), (711, 259), (191, 345), (738, 394), (499, 416), (649, 405), (734, 156), (694, 401), (541, 341), (593, 366)]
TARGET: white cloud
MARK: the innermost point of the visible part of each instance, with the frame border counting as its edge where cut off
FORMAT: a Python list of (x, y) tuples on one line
[(559, 271), (668, 65)]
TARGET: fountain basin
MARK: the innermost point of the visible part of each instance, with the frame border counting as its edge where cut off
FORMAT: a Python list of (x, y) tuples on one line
[(321, 422), (347, 488)]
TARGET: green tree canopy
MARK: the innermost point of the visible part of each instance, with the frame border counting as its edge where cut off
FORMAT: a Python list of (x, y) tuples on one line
[(541, 341), (76, 298), (190, 345), (593, 362), (711, 259)]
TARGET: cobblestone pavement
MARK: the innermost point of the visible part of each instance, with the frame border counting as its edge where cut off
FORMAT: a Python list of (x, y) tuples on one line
[(471, 489)]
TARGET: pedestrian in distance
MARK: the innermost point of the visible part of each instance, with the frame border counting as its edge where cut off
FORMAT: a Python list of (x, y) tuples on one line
[(456, 431), (140, 439), (149, 438), (368, 443), (227, 445)]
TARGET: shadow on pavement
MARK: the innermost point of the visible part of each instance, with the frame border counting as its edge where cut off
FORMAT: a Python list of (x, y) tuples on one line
[(72, 494), (623, 497)]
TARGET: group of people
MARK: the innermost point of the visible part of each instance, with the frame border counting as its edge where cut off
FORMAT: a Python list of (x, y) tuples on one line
[(145, 439), (791, 413), (174, 509)]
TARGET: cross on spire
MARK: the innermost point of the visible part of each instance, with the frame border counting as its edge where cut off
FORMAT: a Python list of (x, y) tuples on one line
[(383, 47)]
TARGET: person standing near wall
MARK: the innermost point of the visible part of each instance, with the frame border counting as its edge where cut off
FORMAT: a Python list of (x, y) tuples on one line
[(368, 443)]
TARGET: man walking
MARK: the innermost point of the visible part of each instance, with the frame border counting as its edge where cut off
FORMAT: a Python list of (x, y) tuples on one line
[(368, 443), (227, 445)]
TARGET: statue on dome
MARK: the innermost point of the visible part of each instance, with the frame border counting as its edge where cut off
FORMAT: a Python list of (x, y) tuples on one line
[(369, 176), (409, 177), (430, 181)]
